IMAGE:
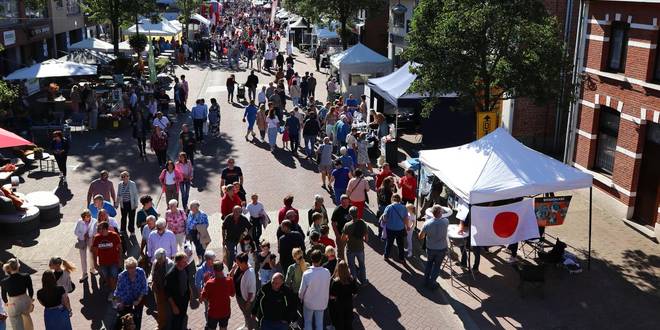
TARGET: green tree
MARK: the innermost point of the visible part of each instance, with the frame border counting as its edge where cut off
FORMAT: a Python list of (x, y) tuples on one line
[(117, 12), (342, 11), (187, 8), (487, 50)]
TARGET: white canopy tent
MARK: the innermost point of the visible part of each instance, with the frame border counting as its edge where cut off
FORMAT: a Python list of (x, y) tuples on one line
[(93, 44), (164, 28), (201, 19), (53, 68), (359, 61), (499, 167), (125, 47), (395, 86)]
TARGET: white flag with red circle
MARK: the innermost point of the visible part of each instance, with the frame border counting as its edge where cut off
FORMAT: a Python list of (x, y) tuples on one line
[(503, 225)]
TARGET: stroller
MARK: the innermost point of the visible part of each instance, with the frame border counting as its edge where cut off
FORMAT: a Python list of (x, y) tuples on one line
[(240, 92)]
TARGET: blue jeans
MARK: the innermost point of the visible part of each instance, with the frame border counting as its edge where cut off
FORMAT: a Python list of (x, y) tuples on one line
[(272, 136), (338, 193), (231, 253), (57, 318), (433, 263), (316, 315), (309, 144), (274, 325), (359, 273), (185, 192)]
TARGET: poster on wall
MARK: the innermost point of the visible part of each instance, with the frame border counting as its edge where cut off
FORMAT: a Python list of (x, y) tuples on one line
[(551, 211)]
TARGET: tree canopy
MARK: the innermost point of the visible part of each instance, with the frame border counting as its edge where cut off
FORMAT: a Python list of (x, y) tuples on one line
[(342, 11), (487, 50)]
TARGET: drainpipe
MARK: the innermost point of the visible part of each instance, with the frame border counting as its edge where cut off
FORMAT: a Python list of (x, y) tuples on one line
[(562, 95), (578, 60)]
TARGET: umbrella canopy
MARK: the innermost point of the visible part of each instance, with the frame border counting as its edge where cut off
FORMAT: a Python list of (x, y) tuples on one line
[(9, 140), (88, 56), (93, 44), (53, 68)]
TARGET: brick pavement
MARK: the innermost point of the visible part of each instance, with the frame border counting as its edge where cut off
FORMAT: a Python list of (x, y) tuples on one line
[(620, 292)]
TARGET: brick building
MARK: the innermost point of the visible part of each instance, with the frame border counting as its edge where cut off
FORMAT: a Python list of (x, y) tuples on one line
[(615, 133)]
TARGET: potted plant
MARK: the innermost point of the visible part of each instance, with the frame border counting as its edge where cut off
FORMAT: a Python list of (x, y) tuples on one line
[(38, 153)]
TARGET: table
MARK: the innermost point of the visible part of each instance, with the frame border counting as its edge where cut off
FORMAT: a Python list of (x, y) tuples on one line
[(46, 157), (456, 239), (48, 204)]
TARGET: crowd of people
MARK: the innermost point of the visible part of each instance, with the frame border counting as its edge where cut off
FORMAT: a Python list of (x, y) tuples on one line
[(310, 279)]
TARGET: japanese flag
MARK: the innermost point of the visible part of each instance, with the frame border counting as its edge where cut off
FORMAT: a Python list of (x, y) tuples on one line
[(503, 225)]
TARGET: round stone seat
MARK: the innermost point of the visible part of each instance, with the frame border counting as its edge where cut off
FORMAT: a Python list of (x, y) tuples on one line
[(47, 202), (20, 222)]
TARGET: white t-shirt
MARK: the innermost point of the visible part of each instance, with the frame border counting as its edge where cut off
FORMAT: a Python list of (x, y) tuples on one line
[(255, 210), (169, 177)]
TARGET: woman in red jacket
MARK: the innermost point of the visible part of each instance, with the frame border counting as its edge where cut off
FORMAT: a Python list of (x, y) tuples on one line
[(229, 200), (170, 179), (408, 185)]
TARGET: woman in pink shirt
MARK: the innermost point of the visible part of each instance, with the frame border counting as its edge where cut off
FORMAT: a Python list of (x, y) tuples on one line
[(184, 166), (170, 180), (357, 191), (176, 221)]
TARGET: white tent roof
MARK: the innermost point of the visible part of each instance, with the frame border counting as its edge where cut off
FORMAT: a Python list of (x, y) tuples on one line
[(93, 44), (395, 86), (162, 28), (498, 167), (53, 68), (361, 59), (201, 19)]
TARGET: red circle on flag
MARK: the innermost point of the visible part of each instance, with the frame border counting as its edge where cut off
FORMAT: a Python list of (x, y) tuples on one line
[(505, 224)]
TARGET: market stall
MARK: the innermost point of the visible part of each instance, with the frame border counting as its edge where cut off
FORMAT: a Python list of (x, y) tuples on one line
[(298, 31), (356, 65), (163, 28), (495, 168)]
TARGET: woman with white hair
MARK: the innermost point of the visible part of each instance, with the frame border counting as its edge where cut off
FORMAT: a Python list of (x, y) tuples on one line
[(85, 231), (131, 289), (162, 265), (17, 294), (176, 221), (197, 228), (318, 207)]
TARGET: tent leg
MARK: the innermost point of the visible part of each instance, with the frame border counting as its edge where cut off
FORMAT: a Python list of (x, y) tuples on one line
[(590, 207)]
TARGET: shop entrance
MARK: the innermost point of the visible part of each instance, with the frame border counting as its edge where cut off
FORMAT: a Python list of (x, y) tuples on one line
[(648, 192)]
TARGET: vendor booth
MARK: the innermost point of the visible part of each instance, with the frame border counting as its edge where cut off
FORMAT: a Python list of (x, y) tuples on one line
[(164, 28), (298, 31), (493, 169), (356, 65), (392, 96)]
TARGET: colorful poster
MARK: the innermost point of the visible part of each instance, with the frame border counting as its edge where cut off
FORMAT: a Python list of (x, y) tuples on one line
[(551, 211)]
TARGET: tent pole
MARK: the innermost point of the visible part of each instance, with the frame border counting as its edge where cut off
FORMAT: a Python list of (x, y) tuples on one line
[(590, 207)]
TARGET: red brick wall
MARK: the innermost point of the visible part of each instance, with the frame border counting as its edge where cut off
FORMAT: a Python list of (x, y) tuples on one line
[(639, 65), (534, 124)]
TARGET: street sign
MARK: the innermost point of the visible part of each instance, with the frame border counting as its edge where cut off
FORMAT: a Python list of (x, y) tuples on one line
[(486, 122)]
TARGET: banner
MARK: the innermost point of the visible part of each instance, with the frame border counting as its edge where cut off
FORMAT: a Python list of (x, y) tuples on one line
[(503, 225), (551, 211), (152, 64)]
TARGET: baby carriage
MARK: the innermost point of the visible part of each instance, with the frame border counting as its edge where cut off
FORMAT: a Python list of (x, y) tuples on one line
[(240, 92)]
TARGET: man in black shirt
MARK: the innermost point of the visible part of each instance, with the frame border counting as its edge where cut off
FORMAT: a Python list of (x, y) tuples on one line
[(251, 84), (339, 218), (289, 241), (233, 227), (231, 174), (177, 289), (187, 142), (276, 304)]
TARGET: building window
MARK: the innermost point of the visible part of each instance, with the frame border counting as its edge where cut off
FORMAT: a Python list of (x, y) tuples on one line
[(8, 12), (608, 132), (72, 7), (618, 44)]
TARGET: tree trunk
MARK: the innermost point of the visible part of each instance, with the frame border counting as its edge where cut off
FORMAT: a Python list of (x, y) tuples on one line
[(344, 34), (115, 36)]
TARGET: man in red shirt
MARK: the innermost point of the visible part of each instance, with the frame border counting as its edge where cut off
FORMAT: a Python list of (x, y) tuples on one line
[(288, 202), (217, 292), (384, 172), (408, 185), (106, 249), (229, 200)]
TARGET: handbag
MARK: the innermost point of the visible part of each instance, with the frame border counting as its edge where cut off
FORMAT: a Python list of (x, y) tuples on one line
[(80, 244)]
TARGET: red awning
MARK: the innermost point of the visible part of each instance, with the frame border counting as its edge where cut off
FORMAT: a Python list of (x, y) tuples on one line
[(9, 139)]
